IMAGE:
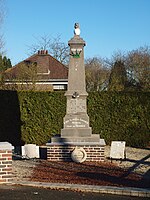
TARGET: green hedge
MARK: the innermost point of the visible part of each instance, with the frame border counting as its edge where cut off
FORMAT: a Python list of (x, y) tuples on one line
[(121, 116), (41, 115), (33, 117)]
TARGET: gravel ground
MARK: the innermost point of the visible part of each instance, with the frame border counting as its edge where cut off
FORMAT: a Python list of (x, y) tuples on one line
[(137, 160)]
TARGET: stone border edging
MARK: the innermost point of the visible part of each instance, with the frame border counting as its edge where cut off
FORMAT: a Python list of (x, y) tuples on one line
[(128, 191)]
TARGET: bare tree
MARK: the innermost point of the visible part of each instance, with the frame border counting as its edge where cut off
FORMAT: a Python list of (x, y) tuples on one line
[(138, 66), (25, 77), (97, 73), (41, 43), (130, 71), (55, 46), (60, 50), (2, 15)]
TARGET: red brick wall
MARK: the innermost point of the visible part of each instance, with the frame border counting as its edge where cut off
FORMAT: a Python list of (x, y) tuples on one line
[(63, 152), (5, 166)]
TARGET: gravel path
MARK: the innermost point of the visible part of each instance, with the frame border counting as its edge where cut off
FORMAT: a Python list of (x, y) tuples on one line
[(137, 160), (22, 169)]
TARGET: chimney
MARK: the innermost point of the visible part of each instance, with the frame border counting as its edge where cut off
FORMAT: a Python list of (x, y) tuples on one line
[(42, 52)]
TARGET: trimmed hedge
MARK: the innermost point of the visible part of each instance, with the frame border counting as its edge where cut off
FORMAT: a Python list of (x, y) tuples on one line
[(121, 116), (41, 115), (33, 117)]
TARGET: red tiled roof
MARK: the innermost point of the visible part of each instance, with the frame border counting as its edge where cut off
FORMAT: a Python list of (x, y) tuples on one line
[(47, 67)]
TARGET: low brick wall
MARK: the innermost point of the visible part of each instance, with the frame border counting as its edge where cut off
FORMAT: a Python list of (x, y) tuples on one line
[(58, 152), (5, 162)]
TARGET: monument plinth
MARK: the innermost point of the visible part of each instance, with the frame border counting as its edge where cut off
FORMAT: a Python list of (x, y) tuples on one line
[(76, 130)]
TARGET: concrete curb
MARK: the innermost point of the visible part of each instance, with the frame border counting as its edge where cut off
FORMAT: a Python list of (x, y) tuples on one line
[(128, 191)]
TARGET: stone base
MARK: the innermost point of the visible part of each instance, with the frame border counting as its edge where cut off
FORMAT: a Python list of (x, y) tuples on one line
[(80, 132), (62, 151), (93, 138)]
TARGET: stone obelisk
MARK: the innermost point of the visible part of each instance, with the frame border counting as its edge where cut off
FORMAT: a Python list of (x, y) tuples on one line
[(76, 140), (76, 121)]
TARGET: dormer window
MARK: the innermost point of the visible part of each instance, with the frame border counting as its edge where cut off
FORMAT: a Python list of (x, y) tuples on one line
[(44, 73)]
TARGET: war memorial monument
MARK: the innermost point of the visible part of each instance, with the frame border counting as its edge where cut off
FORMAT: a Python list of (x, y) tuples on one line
[(76, 141)]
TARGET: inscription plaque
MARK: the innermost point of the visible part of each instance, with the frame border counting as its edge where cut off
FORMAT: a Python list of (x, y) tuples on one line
[(76, 123), (76, 106)]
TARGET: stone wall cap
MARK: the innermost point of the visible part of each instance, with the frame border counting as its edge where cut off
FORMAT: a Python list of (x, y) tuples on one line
[(6, 146)]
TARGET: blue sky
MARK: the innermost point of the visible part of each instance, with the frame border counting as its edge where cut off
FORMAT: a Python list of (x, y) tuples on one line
[(106, 25)]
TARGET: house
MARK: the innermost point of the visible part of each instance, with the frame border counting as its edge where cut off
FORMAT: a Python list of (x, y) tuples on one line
[(41, 71)]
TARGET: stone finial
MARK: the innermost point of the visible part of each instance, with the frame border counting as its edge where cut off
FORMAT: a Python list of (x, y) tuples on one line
[(77, 29)]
